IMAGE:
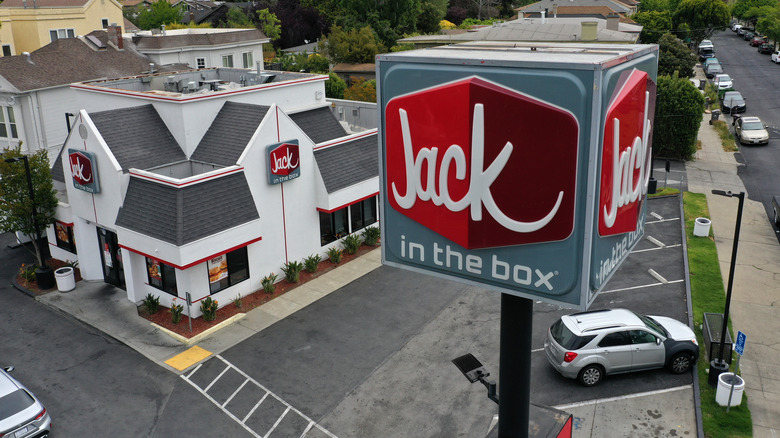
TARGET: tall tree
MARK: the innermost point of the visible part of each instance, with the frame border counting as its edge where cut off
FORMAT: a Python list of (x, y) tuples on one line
[(679, 109), (16, 208), (301, 23), (702, 17), (741, 7), (269, 24), (674, 57), (769, 22), (654, 25), (238, 19), (160, 13), (353, 46)]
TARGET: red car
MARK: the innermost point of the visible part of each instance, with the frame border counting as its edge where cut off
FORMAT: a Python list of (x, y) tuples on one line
[(757, 40)]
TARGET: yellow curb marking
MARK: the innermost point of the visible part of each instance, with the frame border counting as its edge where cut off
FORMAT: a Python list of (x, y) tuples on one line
[(188, 358)]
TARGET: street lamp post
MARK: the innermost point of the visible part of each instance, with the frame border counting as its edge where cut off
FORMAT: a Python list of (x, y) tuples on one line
[(44, 276), (719, 365)]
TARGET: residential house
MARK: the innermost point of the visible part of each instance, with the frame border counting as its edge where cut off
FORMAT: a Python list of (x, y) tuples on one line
[(28, 25), (551, 8)]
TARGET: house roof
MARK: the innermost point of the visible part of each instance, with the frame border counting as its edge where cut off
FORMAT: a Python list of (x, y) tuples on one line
[(44, 3), (550, 5), (229, 134), (71, 60), (197, 37), (602, 11), (354, 68), (180, 215), (137, 137), (319, 124), (348, 163)]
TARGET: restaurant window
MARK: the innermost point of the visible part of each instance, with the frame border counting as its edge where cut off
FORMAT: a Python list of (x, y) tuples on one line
[(362, 214), (63, 234), (8, 122), (228, 270), (248, 59), (227, 60), (161, 276), (56, 34), (201, 62)]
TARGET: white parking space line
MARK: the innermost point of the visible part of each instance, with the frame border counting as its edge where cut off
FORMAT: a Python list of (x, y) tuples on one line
[(622, 397), (656, 249), (656, 215), (657, 276), (242, 422), (536, 350), (663, 220), (641, 287), (655, 241)]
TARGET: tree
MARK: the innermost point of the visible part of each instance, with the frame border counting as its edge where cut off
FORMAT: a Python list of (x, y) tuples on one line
[(238, 19), (769, 23), (654, 25), (428, 21), (486, 7), (301, 23), (269, 23), (654, 5), (702, 17), (679, 109), (674, 56), (361, 90), (354, 46), (335, 86), (160, 13), (389, 19), (741, 7), (16, 208)]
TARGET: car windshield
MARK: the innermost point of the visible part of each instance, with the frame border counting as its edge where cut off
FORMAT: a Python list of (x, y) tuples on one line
[(730, 101), (653, 324), (566, 338), (752, 126), (15, 402), (724, 78)]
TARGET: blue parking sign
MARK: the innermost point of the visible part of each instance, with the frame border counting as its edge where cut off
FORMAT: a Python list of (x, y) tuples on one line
[(739, 347)]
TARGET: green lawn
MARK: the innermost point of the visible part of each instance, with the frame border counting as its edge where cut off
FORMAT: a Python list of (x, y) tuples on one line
[(708, 295)]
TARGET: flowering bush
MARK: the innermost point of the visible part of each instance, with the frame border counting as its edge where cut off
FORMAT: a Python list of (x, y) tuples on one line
[(209, 309), (27, 272), (176, 310)]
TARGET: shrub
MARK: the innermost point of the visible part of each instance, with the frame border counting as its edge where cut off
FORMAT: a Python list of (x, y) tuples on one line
[(209, 309), (334, 255), (237, 301), (27, 272), (311, 262), (268, 283), (292, 271), (351, 243), (152, 303), (371, 236), (176, 310)]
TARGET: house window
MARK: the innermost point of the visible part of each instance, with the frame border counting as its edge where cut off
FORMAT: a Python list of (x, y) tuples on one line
[(56, 34), (161, 276), (228, 270), (6, 50), (104, 22), (227, 60), (8, 122), (63, 233), (201, 62), (362, 214), (248, 60)]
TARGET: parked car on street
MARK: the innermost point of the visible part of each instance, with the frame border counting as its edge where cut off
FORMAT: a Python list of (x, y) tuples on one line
[(706, 52), (757, 40), (712, 69), (766, 48), (733, 103), (750, 130), (736, 27), (21, 414), (776, 56), (710, 61), (743, 30), (748, 36), (723, 80), (589, 345), (706, 43)]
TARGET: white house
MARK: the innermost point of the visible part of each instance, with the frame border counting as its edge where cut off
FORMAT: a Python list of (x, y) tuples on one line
[(208, 180)]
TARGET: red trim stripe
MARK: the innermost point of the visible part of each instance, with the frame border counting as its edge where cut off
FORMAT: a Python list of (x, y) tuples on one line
[(67, 224), (227, 172), (322, 210), (197, 262), (346, 140)]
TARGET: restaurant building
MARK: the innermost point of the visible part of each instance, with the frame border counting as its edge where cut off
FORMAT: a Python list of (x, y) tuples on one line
[(208, 180)]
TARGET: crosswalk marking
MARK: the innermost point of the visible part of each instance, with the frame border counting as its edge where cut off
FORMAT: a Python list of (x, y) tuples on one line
[(289, 410)]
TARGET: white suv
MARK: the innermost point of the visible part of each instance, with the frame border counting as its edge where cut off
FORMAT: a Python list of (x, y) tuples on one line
[(589, 345)]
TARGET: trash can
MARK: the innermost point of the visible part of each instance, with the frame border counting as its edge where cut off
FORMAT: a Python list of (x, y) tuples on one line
[(724, 389), (66, 280), (715, 116), (702, 84), (701, 227)]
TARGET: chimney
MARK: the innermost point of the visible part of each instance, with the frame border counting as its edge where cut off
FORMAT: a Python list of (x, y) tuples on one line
[(29, 59), (151, 68), (115, 36), (612, 21), (555, 10), (590, 30), (162, 29)]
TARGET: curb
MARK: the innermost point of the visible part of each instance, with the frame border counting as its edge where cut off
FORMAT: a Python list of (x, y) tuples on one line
[(26, 291), (202, 335)]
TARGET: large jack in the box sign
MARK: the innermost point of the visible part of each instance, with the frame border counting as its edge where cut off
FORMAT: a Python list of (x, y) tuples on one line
[(482, 165)]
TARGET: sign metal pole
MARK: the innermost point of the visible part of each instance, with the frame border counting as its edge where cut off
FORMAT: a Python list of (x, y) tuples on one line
[(514, 367), (189, 314)]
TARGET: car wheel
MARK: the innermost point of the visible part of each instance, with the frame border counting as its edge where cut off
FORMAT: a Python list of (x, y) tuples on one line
[(680, 363), (591, 375)]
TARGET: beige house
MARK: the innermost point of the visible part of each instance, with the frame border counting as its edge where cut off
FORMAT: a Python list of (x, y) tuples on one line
[(28, 25)]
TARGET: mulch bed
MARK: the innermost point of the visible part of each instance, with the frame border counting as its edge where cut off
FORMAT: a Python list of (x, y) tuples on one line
[(163, 317), (32, 286)]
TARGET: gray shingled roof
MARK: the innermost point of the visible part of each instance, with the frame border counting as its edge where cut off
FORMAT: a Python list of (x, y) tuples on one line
[(230, 133), (348, 163), (198, 38), (137, 137), (319, 124), (183, 215)]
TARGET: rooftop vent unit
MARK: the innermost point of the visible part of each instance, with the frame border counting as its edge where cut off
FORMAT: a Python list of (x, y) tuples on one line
[(170, 84), (266, 78)]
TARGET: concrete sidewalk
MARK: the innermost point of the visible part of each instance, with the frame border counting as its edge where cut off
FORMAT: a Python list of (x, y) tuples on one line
[(756, 291)]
